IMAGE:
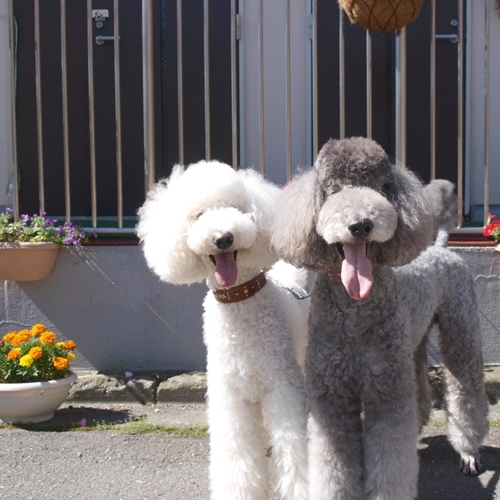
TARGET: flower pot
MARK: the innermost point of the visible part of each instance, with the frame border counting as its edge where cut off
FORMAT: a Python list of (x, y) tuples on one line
[(33, 401), (27, 261)]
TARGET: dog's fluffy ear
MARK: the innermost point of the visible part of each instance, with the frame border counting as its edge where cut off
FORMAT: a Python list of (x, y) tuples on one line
[(415, 222), (162, 232), (293, 225), (263, 195)]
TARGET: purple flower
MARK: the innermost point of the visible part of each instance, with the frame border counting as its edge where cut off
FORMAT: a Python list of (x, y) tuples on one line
[(25, 218), (9, 210)]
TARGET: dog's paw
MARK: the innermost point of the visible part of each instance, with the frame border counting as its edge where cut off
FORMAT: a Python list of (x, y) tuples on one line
[(469, 463)]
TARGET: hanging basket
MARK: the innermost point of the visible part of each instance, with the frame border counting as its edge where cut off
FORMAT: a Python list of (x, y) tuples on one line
[(381, 15)]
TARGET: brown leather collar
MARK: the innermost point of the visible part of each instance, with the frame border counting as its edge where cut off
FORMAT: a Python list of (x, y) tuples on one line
[(241, 292), (332, 273)]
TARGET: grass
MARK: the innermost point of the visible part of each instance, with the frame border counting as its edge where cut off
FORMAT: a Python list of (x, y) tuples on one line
[(133, 427)]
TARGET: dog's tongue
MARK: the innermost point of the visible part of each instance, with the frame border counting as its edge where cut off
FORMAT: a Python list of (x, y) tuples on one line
[(356, 271), (226, 270)]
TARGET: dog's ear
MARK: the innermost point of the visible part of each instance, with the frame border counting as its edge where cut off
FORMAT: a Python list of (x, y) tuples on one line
[(415, 223), (163, 235), (293, 225), (263, 195)]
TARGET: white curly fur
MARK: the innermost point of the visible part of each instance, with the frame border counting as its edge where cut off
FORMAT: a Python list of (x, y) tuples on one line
[(255, 347)]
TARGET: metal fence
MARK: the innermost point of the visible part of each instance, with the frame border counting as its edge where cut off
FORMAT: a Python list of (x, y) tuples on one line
[(149, 97)]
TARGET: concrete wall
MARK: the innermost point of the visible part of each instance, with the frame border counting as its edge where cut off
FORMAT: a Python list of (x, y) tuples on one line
[(124, 319), (119, 314)]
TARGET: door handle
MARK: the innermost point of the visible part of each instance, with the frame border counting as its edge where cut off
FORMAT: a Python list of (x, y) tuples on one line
[(452, 37), (101, 39)]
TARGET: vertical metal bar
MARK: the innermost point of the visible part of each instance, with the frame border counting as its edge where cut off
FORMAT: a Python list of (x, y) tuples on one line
[(433, 89), (341, 74), (13, 89), (180, 93), (234, 79), (206, 64), (64, 68), (39, 123), (460, 118), (288, 94), (487, 136), (118, 113), (401, 96), (90, 62), (315, 79), (148, 92), (369, 83), (261, 87)]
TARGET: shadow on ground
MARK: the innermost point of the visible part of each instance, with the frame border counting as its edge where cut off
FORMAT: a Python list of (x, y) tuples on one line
[(441, 479), (71, 418)]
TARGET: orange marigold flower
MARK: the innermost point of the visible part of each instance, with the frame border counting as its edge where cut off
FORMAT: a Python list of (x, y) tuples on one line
[(20, 337), (38, 329), (70, 345), (48, 338), (14, 354), (9, 336), (36, 352), (60, 363)]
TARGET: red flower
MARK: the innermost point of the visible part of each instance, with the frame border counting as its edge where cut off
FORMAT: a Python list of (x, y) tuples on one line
[(491, 227)]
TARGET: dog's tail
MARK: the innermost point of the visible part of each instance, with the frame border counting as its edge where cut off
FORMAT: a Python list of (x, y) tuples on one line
[(441, 196)]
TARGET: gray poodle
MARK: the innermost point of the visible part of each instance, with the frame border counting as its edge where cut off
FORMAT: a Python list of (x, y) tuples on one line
[(364, 226)]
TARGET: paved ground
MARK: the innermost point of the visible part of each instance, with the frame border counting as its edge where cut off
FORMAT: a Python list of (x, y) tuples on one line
[(107, 465)]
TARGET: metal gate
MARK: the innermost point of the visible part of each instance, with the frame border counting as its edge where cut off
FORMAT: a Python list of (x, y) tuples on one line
[(96, 122)]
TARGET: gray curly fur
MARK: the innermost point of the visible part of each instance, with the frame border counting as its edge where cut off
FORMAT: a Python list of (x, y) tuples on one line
[(366, 364)]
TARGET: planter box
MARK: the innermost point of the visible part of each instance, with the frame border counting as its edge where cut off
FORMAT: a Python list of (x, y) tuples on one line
[(27, 261)]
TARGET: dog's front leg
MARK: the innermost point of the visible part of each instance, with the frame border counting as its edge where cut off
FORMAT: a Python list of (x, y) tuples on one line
[(238, 465), (335, 457), (391, 436), (286, 420)]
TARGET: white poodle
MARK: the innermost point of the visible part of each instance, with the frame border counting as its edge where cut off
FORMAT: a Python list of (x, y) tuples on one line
[(209, 222)]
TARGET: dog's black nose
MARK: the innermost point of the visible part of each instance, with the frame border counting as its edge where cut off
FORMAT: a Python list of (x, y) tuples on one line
[(223, 241), (361, 228)]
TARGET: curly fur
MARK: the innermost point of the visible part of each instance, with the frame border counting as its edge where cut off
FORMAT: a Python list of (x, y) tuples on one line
[(255, 347), (366, 353)]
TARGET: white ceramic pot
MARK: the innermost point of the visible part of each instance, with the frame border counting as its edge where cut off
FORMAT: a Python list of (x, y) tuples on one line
[(33, 401), (27, 261)]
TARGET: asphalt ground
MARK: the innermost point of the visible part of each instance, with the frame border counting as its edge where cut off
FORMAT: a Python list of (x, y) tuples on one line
[(99, 451)]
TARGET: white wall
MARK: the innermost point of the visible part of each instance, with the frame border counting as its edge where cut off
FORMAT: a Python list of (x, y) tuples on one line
[(5, 101), (275, 87), (475, 100)]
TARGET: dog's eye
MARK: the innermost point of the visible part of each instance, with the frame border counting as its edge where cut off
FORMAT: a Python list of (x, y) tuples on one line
[(198, 215)]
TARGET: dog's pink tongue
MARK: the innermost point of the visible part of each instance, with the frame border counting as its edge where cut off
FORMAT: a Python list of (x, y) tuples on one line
[(226, 270), (356, 271)]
